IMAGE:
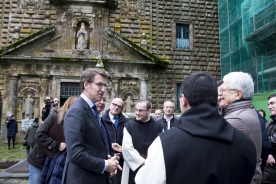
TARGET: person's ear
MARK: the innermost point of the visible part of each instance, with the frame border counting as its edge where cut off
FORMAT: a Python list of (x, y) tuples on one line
[(239, 95), (185, 101), (85, 85)]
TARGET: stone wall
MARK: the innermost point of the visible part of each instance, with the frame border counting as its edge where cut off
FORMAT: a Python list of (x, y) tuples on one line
[(146, 23), (157, 22)]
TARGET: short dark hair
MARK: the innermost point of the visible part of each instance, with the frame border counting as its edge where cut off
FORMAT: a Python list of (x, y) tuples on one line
[(219, 82), (88, 75), (145, 101), (261, 110), (199, 88), (272, 95)]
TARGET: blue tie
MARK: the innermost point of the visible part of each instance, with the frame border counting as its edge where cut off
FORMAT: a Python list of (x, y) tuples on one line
[(94, 108), (116, 121)]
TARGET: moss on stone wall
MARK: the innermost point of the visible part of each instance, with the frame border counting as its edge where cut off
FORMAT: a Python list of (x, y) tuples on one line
[(26, 39)]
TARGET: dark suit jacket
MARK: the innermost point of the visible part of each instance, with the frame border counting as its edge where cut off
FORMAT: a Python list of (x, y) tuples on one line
[(86, 146)]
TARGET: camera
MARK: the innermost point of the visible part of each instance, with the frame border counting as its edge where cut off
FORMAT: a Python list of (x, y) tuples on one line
[(8, 118), (47, 108), (48, 102)]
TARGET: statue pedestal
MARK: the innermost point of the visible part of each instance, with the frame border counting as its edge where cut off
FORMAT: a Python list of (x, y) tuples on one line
[(81, 51)]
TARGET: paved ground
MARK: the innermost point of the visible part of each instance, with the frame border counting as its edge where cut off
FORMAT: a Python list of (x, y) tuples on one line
[(16, 174), (14, 181)]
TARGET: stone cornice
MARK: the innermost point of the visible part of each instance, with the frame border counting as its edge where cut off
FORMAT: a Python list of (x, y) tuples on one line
[(136, 47), (29, 39), (112, 4)]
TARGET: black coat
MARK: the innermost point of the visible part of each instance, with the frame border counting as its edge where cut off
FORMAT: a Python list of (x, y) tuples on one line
[(173, 123), (12, 128), (269, 174), (205, 148), (115, 135), (265, 141)]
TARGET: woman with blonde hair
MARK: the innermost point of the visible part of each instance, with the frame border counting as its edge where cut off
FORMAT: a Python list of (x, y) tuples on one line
[(48, 151)]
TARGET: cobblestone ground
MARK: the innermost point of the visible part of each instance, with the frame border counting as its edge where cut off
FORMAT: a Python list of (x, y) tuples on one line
[(14, 181)]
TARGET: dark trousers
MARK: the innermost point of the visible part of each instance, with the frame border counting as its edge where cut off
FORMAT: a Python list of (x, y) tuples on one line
[(9, 142)]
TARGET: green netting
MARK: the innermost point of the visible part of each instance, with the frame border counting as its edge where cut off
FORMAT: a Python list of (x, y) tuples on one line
[(248, 40)]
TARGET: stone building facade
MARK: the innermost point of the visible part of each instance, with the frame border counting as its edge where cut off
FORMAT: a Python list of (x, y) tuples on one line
[(146, 46)]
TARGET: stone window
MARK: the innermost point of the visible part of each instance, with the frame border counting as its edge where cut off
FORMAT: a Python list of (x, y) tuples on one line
[(182, 36), (68, 89)]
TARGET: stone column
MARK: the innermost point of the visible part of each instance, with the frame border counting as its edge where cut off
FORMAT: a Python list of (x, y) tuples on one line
[(143, 89), (115, 87), (36, 107), (12, 94), (43, 93)]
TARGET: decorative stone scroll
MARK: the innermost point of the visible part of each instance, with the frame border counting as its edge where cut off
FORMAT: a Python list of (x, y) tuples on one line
[(30, 6), (133, 9)]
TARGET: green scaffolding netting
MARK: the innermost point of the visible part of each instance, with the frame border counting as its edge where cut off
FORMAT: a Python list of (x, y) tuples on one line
[(248, 40)]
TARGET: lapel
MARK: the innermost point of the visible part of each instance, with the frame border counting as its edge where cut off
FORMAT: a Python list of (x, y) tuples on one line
[(92, 118)]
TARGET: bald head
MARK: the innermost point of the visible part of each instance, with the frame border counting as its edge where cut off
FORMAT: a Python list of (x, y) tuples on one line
[(116, 106), (158, 113)]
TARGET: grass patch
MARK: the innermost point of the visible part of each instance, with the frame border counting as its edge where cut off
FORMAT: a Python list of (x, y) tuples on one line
[(12, 154)]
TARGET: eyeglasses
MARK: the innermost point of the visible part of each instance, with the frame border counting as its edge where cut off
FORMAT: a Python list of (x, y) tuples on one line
[(140, 110), (99, 84), (229, 89), (117, 106)]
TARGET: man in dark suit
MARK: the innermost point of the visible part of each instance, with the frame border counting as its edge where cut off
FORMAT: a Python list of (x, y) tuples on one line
[(88, 151)]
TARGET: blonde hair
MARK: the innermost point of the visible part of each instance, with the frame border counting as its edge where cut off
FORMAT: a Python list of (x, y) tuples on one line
[(62, 111)]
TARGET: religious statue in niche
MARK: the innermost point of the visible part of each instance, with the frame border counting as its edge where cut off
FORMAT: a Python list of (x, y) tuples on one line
[(82, 37), (128, 104), (28, 107)]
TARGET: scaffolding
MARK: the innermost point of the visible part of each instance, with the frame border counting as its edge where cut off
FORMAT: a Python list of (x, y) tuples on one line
[(247, 31)]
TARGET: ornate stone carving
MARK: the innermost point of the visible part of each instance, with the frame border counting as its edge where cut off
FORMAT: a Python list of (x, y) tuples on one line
[(144, 44), (98, 12), (128, 104), (13, 37), (132, 9), (82, 38), (117, 26), (30, 6), (28, 107)]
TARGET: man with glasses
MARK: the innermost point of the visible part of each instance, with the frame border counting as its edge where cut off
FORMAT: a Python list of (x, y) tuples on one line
[(236, 94), (139, 133), (168, 120), (203, 148), (115, 121), (88, 152)]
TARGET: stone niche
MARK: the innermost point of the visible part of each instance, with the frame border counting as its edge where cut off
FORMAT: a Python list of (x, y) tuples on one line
[(129, 92), (82, 38)]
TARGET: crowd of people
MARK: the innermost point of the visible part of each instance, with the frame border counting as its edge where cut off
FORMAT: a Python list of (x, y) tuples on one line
[(219, 138)]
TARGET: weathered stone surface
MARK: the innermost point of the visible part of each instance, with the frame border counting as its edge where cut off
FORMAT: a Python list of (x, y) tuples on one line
[(53, 61)]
